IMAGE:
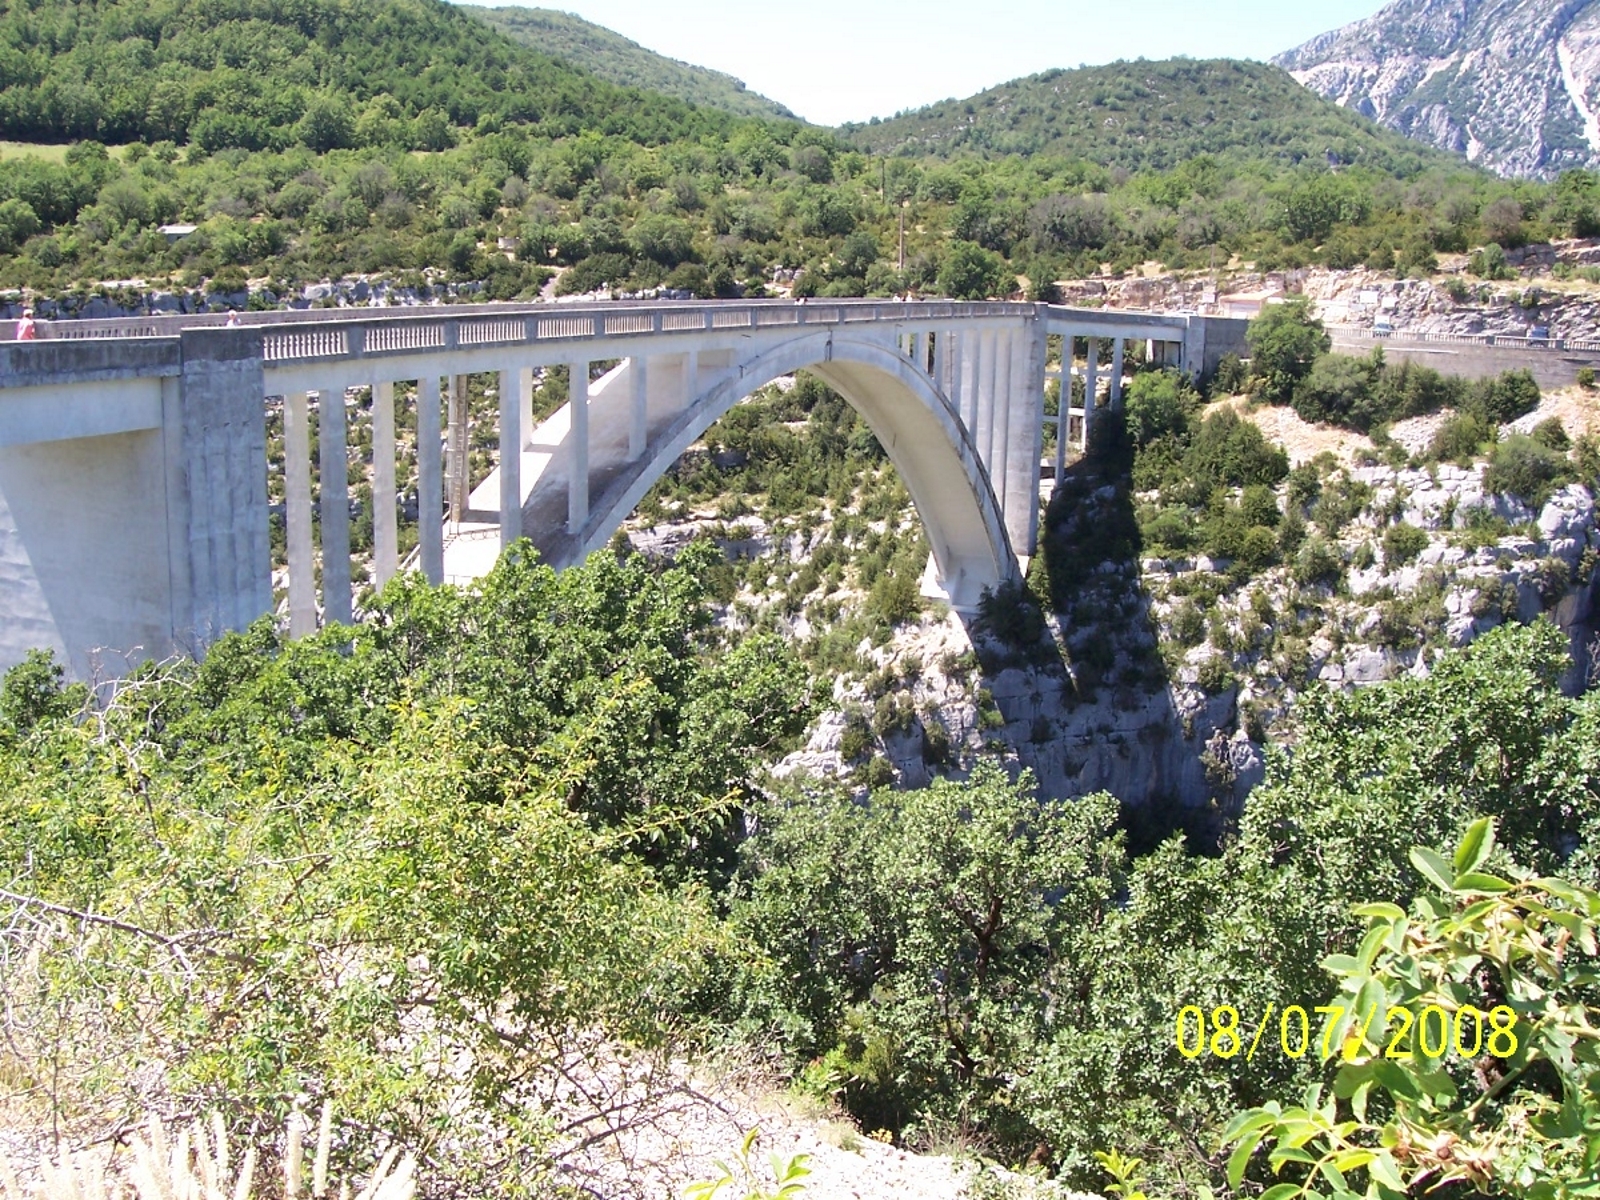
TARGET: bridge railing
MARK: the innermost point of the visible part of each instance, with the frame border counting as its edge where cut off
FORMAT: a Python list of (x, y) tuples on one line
[(1504, 340), (481, 324)]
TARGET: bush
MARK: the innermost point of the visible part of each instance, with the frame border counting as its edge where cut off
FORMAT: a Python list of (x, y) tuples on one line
[(1318, 563), (1586, 378), (1521, 467), (1512, 395), (1285, 340), (1551, 434), (1229, 451), (1459, 438), (1490, 263), (1336, 386), (1158, 404), (1480, 918), (1402, 543)]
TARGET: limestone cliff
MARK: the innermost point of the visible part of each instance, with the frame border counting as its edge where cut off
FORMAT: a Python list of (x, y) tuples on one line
[(1512, 84)]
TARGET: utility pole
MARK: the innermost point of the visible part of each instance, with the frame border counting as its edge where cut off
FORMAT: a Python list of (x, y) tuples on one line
[(902, 236)]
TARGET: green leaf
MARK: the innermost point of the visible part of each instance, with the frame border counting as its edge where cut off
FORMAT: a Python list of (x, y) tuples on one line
[(1281, 1191), (1247, 1122), (1240, 1158), (1477, 881), (1475, 846), (1382, 1169), (1382, 908), (1432, 866)]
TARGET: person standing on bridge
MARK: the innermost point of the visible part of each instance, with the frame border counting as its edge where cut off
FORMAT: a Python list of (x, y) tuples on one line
[(27, 331)]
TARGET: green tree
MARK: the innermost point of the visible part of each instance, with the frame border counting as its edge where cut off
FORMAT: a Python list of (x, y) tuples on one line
[(1285, 342), (1158, 404), (969, 272)]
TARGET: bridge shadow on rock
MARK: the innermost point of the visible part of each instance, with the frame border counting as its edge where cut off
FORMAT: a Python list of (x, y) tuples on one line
[(1089, 702)]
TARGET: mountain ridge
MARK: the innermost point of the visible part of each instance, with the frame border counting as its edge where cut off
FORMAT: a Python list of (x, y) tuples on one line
[(1119, 114), (1514, 85), (620, 60)]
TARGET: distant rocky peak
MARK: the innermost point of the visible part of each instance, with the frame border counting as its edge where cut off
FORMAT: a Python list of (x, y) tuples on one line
[(1512, 84)]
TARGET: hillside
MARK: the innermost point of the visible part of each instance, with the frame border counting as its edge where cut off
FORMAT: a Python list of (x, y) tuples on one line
[(327, 73), (1512, 84), (1148, 115), (613, 57)]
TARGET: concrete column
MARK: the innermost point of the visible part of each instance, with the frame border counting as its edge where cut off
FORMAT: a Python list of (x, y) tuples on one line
[(639, 406), (430, 481), (1116, 374), (1064, 408), (510, 459), (987, 380), (971, 351), (919, 350), (297, 498), (578, 482), (1025, 439), (335, 509), (1091, 385), (385, 524), (456, 466), (525, 389), (941, 361), (1000, 420)]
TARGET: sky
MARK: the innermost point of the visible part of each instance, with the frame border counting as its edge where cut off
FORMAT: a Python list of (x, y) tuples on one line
[(832, 61)]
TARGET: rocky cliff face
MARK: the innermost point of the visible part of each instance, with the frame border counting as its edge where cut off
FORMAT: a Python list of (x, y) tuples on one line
[(1512, 84)]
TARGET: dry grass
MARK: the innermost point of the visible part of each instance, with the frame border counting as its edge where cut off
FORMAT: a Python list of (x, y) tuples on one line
[(1300, 438), (33, 150), (199, 1166)]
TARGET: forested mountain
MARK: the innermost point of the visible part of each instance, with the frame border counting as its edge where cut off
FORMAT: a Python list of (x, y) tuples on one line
[(268, 73), (329, 138), (1148, 115), (1512, 84), (619, 60)]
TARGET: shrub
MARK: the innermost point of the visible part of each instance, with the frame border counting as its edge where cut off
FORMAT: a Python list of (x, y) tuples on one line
[(1188, 626), (1318, 563), (1479, 935), (1230, 451), (1216, 675), (1285, 340), (1522, 467), (1168, 528), (1551, 434), (1490, 263), (1402, 543), (1258, 549), (1459, 438), (1512, 395), (1158, 404), (1586, 378)]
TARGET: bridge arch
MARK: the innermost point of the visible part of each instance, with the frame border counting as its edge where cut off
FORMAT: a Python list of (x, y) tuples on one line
[(921, 434)]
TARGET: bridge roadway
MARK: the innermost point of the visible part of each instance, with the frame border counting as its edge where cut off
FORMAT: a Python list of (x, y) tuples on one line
[(134, 519)]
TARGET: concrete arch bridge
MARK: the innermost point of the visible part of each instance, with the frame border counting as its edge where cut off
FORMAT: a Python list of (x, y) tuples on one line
[(134, 515)]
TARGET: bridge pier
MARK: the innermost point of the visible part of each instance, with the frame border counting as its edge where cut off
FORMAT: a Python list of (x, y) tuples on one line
[(297, 514), (385, 514), (511, 444), (336, 599), (430, 481)]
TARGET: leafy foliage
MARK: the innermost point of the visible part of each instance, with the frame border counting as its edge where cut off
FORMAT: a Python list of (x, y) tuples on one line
[(1518, 1117)]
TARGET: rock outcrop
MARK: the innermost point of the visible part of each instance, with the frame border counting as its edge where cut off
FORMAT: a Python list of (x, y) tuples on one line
[(1512, 84)]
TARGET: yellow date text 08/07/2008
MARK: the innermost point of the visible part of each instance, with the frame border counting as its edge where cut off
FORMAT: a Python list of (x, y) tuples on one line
[(1433, 1032)]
